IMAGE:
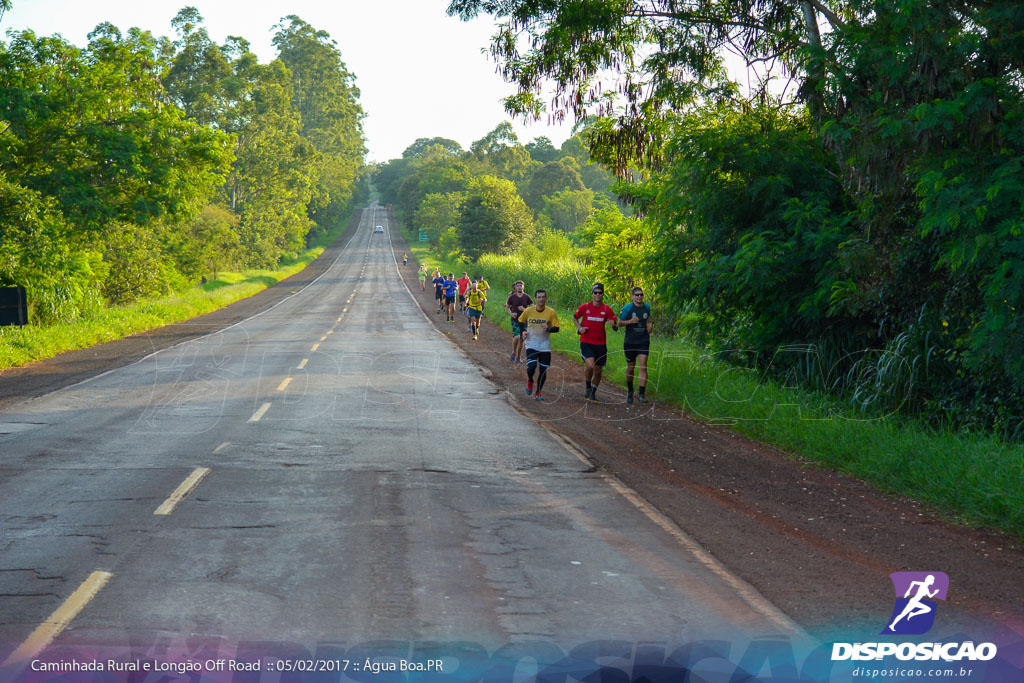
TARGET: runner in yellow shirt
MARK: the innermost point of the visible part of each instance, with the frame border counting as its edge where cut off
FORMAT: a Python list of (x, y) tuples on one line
[(475, 301), (541, 322)]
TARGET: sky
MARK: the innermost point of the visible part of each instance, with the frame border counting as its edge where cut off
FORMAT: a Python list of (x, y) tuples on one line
[(421, 73)]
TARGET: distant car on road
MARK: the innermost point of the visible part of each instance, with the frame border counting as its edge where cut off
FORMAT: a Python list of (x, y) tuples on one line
[(379, 228)]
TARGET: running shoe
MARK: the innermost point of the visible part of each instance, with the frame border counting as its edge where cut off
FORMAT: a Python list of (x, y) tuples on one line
[(629, 397), (586, 395), (529, 388), (642, 399), (538, 397), (512, 358), (474, 337)]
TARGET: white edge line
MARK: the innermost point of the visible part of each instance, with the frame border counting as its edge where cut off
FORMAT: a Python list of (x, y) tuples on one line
[(210, 334), (746, 592)]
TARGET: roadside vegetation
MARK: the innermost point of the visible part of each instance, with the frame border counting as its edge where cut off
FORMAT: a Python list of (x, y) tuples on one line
[(137, 167), (973, 477), (20, 345), (836, 267)]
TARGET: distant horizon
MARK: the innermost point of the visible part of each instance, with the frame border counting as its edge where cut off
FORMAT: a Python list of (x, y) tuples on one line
[(429, 95)]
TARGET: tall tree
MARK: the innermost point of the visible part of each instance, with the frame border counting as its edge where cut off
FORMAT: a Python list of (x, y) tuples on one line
[(542, 150), (198, 80), (418, 147), (276, 171), (550, 178), (327, 100), (494, 218), (90, 128)]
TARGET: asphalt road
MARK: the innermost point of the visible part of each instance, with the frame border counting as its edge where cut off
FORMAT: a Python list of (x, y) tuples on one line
[(353, 477)]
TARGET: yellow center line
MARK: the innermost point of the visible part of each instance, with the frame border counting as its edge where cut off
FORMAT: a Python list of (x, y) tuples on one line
[(59, 620), (302, 364), (260, 413), (185, 488), (223, 445), (330, 331), (323, 338), (315, 346), (283, 384), (344, 310)]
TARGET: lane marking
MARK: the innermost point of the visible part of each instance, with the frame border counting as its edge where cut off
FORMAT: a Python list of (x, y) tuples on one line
[(223, 445), (186, 487), (330, 331), (260, 413), (323, 338), (315, 346), (339, 318), (341, 252), (344, 310), (59, 620), (302, 364), (746, 591), (283, 384)]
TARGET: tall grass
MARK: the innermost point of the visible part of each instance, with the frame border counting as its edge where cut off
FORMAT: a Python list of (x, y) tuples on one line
[(20, 345), (566, 279), (972, 478)]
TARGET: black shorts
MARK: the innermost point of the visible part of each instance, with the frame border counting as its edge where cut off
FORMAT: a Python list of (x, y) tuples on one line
[(462, 298), (449, 299), (541, 357), (438, 294), (598, 353), (633, 351)]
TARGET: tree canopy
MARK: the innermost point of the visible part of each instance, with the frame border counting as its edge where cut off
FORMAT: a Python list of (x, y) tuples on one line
[(135, 164), (889, 152)]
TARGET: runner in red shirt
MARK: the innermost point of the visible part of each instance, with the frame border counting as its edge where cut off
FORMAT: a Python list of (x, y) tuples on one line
[(463, 283), (590, 321)]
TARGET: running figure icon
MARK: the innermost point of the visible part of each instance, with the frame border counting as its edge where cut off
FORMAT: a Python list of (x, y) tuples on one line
[(915, 607)]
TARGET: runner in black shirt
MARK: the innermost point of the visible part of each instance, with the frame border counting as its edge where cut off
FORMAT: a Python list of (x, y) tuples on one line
[(636, 318)]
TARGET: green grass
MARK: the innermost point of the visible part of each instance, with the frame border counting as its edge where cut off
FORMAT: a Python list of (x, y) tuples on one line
[(972, 478), (20, 345)]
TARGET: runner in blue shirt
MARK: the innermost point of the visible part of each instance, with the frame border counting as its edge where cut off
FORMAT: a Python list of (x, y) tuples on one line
[(438, 289), (636, 318), (451, 287)]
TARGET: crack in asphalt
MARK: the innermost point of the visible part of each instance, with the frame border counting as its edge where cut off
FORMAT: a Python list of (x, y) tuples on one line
[(38, 575)]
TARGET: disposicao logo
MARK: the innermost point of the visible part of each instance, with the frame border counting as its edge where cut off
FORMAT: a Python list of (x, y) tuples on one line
[(916, 593), (914, 614)]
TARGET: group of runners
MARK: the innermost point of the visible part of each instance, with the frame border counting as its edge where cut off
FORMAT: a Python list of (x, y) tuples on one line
[(533, 323), (465, 295)]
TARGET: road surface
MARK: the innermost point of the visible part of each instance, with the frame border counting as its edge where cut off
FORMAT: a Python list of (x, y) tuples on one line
[(330, 469)]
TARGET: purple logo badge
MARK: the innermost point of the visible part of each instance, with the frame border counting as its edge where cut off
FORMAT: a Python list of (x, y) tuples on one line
[(916, 593)]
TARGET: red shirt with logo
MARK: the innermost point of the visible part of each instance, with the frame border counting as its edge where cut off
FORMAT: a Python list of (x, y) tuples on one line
[(463, 285), (593, 317)]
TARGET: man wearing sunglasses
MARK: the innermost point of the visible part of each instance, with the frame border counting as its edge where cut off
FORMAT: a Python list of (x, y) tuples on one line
[(590, 321), (636, 318)]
